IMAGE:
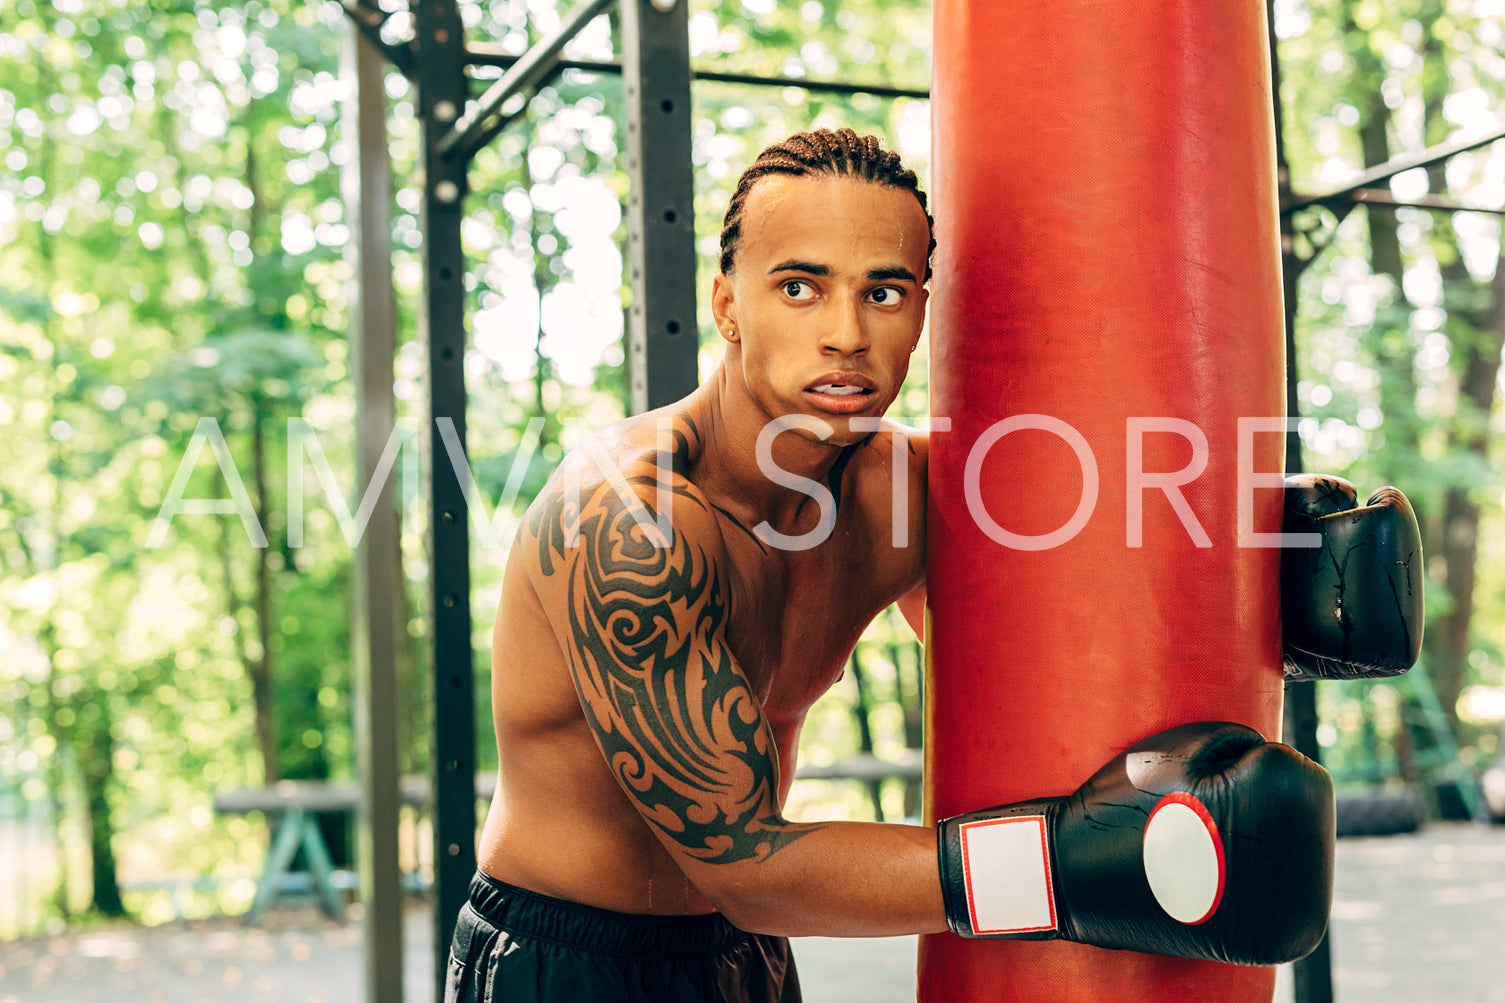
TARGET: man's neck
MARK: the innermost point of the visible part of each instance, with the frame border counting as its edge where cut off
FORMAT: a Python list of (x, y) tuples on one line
[(728, 468)]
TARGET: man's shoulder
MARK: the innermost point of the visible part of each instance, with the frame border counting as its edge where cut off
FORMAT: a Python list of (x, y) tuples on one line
[(896, 450), (916, 441), (618, 488)]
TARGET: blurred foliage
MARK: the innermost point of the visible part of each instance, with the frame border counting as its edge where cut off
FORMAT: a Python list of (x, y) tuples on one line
[(173, 246), (1400, 326)]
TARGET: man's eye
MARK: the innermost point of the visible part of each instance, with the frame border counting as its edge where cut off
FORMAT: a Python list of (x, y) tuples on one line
[(796, 290), (885, 295)]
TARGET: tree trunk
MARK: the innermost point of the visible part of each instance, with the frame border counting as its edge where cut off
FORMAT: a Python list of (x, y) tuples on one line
[(61, 738), (909, 689), (1476, 332), (1476, 355), (49, 562), (861, 711), (415, 716), (543, 281), (260, 668), (96, 762), (1395, 355)]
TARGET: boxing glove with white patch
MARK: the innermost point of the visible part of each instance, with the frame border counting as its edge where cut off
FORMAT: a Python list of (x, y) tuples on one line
[(1351, 607), (1202, 841)]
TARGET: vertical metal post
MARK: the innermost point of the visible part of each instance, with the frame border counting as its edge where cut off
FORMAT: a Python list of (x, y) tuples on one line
[(439, 43), (1313, 974), (378, 577), (662, 333)]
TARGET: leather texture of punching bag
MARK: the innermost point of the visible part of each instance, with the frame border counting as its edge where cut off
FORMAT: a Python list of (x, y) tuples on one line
[(1107, 293)]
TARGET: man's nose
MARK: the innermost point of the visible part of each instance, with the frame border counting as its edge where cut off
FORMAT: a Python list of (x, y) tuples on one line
[(844, 333)]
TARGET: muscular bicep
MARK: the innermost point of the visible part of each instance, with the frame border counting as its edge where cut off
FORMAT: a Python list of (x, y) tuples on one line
[(641, 615)]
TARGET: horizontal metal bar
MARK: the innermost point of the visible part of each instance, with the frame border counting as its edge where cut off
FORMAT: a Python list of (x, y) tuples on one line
[(368, 21), (1384, 197), (825, 86), (490, 56), (474, 130), (1390, 168), (1440, 203)]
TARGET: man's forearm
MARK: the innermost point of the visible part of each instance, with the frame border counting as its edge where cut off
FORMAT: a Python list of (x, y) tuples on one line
[(834, 879)]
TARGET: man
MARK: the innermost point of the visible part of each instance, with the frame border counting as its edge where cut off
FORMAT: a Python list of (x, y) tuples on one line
[(679, 596), (648, 698)]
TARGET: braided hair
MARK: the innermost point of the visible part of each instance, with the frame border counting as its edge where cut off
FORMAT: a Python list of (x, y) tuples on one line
[(822, 152)]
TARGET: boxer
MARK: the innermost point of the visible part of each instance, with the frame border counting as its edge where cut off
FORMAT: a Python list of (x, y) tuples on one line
[(688, 585)]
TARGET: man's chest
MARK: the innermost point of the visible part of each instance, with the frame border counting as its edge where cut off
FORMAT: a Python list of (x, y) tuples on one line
[(793, 622)]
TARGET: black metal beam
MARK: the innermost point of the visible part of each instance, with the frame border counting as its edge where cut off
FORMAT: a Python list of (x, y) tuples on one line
[(1313, 974), (1435, 203), (823, 86), (472, 132), (662, 334), (481, 54), (439, 44), (1382, 173), (368, 19)]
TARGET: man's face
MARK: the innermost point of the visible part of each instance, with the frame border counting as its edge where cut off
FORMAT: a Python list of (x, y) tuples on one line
[(825, 299)]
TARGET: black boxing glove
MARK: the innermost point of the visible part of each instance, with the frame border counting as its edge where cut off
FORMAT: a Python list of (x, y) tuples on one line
[(1203, 841), (1351, 608)]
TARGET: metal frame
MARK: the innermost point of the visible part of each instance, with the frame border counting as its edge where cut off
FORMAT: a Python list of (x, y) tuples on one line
[(379, 614), (1312, 975), (1313, 982), (662, 334), (488, 55), (1362, 191), (442, 94)]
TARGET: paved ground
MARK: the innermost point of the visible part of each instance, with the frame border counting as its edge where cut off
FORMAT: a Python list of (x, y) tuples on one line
[(1416, 919)]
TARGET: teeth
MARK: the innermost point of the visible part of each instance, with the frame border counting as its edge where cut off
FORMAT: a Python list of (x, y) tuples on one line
[(838, 389)]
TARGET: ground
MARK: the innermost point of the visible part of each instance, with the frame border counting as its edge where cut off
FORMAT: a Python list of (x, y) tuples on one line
[(1416, 919)]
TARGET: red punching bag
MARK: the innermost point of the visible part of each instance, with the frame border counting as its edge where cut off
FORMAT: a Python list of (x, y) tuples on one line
[(1106, 308)]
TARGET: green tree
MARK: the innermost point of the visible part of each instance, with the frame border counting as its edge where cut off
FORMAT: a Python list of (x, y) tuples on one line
[(1400, 331)]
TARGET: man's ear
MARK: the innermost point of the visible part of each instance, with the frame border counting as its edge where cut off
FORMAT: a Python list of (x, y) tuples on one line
[(722, 308)]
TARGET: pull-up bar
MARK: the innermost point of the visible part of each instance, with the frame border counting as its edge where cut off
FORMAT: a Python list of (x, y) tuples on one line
[(1359, 189), (542, 64), (483, 54), (475, 129)]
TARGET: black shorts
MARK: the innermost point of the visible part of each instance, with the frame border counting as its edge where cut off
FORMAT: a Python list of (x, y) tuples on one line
[(516, 946)]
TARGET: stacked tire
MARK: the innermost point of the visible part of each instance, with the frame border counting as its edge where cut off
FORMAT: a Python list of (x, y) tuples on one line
[(1379, 813)]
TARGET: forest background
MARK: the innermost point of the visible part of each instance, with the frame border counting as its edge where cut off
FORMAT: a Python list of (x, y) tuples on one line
[(174, 246)]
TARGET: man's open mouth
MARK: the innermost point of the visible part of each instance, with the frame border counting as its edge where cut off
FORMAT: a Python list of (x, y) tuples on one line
[(840, 390)]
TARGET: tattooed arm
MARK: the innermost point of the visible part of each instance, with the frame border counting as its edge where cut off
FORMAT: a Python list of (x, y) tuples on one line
[(639, 602)]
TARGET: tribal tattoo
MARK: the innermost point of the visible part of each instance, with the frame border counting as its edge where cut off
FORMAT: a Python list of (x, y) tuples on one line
[(675, 717)]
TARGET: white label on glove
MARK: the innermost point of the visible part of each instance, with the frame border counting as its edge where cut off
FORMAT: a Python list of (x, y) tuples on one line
[(1007, 866), (1183, 858)]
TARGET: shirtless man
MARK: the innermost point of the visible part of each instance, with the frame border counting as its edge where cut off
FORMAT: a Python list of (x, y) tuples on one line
[(674, 604), (648, 699)]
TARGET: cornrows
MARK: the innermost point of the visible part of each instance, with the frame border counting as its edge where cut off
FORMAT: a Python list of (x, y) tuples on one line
[(822, 152)]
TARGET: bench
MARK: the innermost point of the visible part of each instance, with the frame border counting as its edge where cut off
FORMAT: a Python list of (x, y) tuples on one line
[(908, 765), (297, 803)]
